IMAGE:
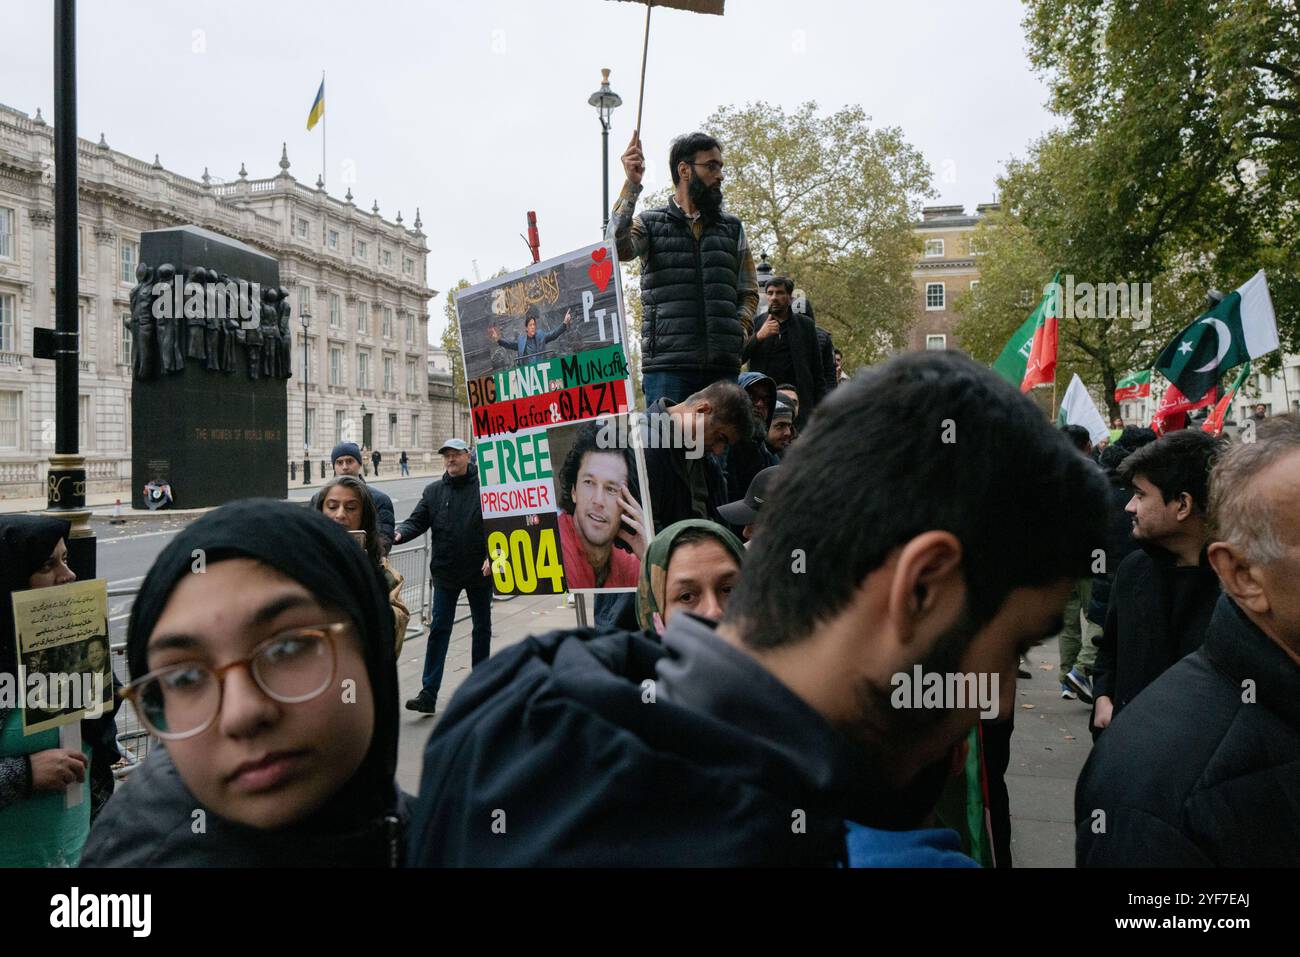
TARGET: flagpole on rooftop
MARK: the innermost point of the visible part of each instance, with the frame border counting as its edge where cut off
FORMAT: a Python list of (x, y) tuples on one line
[(324, 121)]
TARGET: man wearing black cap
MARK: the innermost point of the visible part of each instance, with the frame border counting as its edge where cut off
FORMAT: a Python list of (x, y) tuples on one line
[(744, 513), (346, 459), (450, 510)]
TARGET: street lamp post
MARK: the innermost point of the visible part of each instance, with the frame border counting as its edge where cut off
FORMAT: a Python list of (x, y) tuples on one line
[(305, 318), (605, 101)]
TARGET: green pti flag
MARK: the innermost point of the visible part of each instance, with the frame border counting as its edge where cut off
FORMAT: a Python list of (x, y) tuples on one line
[(1014, 360), (1239, 328)]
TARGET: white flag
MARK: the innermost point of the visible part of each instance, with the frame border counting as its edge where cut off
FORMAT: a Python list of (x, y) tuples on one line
[(1077, 408)]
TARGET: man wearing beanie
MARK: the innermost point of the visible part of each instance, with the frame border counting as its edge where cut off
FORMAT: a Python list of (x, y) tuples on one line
[(780, 433), (346, 459)]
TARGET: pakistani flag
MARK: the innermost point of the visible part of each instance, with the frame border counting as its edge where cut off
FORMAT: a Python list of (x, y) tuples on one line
[(1077, 408), (1239, 328)]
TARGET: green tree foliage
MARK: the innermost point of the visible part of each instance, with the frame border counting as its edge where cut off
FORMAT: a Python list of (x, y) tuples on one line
[(451, 342), (1178, 164), (832, 202)]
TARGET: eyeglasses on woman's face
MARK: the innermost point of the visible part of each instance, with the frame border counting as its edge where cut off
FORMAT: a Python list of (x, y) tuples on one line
[(183, 699)]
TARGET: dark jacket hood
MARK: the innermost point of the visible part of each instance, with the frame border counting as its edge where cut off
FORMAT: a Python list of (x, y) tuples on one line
[(610, 749), (748, 379)]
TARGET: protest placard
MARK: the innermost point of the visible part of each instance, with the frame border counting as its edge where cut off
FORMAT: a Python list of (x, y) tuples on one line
[(544, 351), (64, 668)]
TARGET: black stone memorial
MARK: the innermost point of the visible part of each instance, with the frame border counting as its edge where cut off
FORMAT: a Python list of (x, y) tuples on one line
[(211, 348)]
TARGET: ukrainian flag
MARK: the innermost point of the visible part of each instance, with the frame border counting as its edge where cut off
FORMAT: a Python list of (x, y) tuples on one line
[(318, 107)]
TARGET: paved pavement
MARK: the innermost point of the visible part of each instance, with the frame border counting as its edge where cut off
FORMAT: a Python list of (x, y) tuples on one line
[(1048, 749)]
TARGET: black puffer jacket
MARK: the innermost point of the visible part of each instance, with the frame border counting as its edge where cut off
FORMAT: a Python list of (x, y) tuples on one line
[(690, 293), (451, 511), (1197, 772)]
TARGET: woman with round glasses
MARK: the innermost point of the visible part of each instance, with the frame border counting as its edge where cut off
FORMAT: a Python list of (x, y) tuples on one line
[(261, 656)]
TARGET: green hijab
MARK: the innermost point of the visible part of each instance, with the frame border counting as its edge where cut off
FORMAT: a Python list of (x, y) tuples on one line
[(651, 593)]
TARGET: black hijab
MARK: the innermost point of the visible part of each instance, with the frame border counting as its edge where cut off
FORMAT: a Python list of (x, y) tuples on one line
[(309, 548), (26, 541)]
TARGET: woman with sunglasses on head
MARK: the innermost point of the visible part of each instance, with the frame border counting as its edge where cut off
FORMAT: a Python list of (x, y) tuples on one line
[(261, 655), (346, 500)]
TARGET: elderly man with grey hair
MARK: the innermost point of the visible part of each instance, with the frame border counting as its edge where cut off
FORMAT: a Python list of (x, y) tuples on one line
[(1203, 768)]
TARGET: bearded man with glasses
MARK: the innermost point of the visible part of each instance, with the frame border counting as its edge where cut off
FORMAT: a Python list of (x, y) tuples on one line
[(699, 288)]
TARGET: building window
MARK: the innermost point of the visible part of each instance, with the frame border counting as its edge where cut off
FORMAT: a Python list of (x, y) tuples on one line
[(388, 322), (974, 283), (359, 249), (336, 310), (934, 295), (310, 436), (129, 250), (388, 373), (81, 253), (304, 300), (933, 248), (410, 376), (388, 258), (333, 239), (363, 318), (8, 325), (9, 419), (936, 342), (85, 428), (304, 228), (410, 327), (363, 370), (415, 430), (408, 265), (6, 233), (124, 342), (338, 427), (392, 430), (336, 365), (971, 247)]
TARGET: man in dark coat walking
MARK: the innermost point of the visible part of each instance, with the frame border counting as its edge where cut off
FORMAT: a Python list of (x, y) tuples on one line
[(1203, 769), (450, 509)]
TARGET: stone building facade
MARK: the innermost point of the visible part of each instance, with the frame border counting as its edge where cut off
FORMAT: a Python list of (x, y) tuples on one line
[(947, 269), (360, 277)]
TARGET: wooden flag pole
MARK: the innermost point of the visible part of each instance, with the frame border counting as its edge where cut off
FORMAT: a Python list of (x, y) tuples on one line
[(645, 48)]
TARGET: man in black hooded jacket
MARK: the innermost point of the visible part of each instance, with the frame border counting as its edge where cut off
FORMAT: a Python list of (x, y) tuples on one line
[(754, 741)]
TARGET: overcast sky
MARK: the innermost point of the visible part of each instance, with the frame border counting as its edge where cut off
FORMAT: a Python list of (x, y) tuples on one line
[(477, 111)]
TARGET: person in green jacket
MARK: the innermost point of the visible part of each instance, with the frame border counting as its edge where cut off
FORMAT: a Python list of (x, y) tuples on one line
[(37, 829)]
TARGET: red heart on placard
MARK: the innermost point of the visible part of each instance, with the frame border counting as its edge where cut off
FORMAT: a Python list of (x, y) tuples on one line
[(601, 270)]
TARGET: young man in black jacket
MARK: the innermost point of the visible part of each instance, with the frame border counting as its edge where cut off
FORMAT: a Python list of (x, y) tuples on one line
[(1163, 593), (1204, 768), (754, 741), (450, 508), (786, 348)]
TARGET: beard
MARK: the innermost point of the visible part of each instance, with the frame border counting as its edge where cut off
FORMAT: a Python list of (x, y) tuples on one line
[(708, 200), (886, 735)]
